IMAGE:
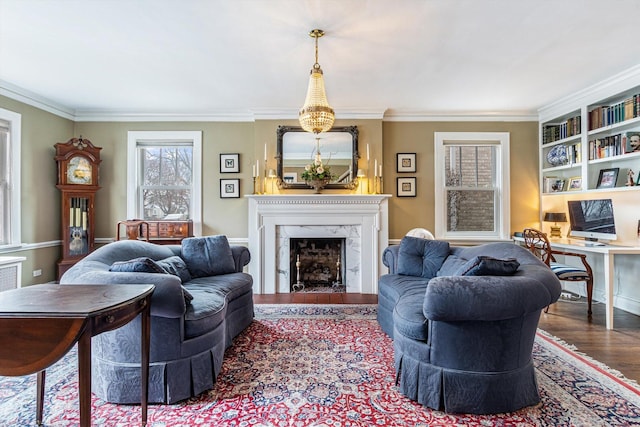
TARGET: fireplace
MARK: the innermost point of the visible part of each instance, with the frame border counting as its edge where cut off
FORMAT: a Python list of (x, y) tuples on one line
[(316, 263), (361, 220)]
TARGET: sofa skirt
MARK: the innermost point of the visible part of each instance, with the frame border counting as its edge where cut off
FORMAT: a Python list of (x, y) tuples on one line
[(455, 391), (169, 382)]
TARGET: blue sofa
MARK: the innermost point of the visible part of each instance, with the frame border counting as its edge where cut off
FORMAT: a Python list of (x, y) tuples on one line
[(463, 321), (202, 300)]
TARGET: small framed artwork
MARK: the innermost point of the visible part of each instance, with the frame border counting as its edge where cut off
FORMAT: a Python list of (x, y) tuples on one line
[(638, 181), (406, 162), (608, 178), (406, 187), (229, 163), (229, 188), (575, 183), (290, 177)]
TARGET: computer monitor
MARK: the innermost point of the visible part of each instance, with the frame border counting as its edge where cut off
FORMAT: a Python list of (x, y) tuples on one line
[(592, 219)]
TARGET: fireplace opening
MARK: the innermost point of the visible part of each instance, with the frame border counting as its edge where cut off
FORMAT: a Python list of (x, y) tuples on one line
[(317, 264)]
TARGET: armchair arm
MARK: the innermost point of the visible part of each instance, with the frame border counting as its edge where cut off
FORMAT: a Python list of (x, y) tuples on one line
[(241, 256), (167, 299), (390, 258), (485, 298)]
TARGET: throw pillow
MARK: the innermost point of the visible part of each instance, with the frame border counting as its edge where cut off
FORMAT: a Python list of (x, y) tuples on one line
[(488, 266), (176, 266), (421, 257), (137, 265), (208, 256)]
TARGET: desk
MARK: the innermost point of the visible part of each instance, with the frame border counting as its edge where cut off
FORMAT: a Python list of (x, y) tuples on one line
[(608, 252), (40, 324)]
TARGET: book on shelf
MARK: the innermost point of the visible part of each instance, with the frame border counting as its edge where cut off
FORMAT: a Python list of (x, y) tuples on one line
[(606, 115), (614, 145), (552, 132)]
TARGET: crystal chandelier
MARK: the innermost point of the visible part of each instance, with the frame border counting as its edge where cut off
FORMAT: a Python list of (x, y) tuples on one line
[(316, 115)]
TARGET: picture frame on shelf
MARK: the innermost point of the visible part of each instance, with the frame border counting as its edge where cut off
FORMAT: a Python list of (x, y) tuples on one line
[(638, 180), (632, 144), (608, 178), (229, 188), (229, 162), (406, 187), (557, 185), (405, 162), (575, 183)]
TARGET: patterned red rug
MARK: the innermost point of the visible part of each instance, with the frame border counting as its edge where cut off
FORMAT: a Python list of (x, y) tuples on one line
[(315, 365)]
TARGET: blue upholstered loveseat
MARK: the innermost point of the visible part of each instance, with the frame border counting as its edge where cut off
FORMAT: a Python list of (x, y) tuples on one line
[(463, 321), (202, 300)]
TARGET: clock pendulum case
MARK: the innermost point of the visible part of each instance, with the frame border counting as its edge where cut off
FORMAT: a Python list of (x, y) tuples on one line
[(78, 163)]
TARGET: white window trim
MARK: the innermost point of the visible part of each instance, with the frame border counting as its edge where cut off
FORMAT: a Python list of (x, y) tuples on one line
[(15, 137), (502, 141), (194, 137)]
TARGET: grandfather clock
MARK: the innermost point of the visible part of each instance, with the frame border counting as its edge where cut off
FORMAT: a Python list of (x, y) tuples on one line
[(78, 163)]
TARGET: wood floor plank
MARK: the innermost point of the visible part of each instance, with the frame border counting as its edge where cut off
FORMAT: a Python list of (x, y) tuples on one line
[(618, 348)]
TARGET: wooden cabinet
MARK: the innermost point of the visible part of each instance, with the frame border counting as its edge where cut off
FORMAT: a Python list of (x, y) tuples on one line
[(78, 162), (159, 232)]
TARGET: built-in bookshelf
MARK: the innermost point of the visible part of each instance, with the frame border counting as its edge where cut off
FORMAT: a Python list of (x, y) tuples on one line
[(584, 148)]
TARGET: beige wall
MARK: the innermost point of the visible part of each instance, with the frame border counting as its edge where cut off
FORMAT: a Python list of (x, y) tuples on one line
[(406, 213), (40, 220), (41, 200)]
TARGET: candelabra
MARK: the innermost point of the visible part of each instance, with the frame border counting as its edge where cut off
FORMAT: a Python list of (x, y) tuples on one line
[(298, 286)]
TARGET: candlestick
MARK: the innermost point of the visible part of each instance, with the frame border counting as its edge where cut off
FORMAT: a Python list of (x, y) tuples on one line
[(367, 152), (254, 185), (253, 171), (265, 153)]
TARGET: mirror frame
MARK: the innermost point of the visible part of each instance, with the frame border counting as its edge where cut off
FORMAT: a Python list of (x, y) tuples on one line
[(353, 130)]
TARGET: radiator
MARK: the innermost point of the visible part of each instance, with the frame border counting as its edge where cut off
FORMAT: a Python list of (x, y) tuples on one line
[(10, 272)]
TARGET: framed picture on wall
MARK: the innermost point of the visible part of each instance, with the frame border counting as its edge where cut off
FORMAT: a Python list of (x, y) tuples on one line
[(230, 163), (229, 188), (406, 162), (406, 187)]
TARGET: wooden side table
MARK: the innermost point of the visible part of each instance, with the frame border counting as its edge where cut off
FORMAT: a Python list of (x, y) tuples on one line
[(40, 324)]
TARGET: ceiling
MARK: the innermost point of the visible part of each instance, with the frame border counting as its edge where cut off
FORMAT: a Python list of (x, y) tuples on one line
[(251, 58)]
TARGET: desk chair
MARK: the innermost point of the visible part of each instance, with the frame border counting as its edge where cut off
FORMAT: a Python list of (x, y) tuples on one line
[(538, 243), (134, 229)]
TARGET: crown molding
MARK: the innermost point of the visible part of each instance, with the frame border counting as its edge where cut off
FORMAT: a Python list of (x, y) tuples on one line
[(597, 92), (132, 116), (423, 116), (19, 94)]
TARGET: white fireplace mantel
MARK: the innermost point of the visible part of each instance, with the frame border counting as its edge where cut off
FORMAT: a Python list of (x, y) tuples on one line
[(363, 219)]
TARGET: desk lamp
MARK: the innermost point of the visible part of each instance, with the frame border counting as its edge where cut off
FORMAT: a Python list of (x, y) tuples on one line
[(555, 217)]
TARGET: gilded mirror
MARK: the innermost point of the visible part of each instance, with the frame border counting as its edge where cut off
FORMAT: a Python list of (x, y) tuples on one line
[(297, 148)]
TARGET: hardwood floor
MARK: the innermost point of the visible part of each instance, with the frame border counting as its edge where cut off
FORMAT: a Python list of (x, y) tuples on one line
[(618, 348)]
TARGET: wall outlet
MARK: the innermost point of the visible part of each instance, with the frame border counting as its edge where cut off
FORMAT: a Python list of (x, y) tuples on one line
[(37, 272)]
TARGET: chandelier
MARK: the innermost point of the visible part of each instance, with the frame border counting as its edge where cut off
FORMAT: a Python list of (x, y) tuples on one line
[(316, 115)]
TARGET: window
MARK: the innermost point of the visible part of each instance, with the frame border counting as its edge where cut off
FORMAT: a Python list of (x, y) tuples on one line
[(472, 185), (165, 176), (10, 126)]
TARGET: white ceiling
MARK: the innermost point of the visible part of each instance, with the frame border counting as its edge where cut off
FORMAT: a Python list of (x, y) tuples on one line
[(252, 57)]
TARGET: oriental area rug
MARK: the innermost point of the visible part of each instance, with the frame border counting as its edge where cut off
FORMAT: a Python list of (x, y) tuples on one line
[(331, 365)]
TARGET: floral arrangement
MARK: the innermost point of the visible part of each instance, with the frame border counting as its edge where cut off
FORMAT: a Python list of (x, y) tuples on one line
[(317, 171)]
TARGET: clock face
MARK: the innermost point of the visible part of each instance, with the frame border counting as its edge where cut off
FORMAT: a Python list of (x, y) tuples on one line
[(79, 171)]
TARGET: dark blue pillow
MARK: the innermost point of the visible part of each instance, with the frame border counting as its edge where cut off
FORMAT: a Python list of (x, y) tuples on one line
[(488, 266), (208, 256), (137, 265), (176, 266), (421, 257)]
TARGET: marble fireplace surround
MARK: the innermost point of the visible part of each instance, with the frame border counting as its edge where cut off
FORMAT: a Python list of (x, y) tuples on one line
[(363, 220)]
